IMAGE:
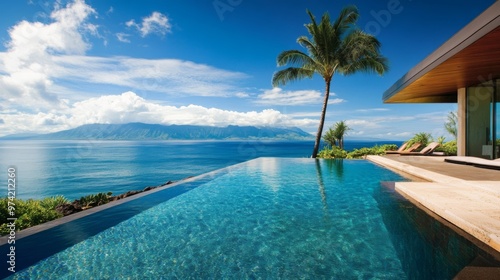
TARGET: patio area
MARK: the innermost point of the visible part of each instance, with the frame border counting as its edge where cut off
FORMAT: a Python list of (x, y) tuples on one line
[(438, 165), (465, 198)]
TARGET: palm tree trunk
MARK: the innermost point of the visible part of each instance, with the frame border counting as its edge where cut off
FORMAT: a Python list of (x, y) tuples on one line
[(322, 119)]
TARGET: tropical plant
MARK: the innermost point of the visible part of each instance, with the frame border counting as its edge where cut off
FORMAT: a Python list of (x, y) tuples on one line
[(375, 150), (334, 152), (338, 47), (422, 137), (28, 213), (339, 131), (449, 148), (451, 124), (92, 200), (53, 201), (330, 138)]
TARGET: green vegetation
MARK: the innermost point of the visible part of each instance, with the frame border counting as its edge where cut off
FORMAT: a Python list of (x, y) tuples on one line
[(329, 138), (449, 148), (422, 138), (53, 201), (33, 212), (30, 212), (93, 200), (333, 151), (335, 135), (338, 47), (451, 124), (336, 152)]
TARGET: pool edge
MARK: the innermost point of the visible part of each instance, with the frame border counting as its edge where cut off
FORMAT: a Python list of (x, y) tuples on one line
[(419, 194), (66, 219)]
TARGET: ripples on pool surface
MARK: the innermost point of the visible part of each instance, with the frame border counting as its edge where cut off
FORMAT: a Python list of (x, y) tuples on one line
[(269, 218)]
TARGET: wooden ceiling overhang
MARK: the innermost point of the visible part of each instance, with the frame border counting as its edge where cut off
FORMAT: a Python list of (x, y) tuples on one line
[(470, 57)]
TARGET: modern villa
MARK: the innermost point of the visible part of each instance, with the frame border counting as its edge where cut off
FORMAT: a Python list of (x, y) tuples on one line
[(464, 70)]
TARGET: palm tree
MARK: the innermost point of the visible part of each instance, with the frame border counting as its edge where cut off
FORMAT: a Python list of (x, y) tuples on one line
[(330, 138), (451, 124), (338, 47), (339, 131)]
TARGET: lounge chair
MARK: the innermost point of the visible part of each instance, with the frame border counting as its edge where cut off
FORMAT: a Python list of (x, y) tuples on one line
[(401, 148), (475, 161), (410, 149), (424, 152)]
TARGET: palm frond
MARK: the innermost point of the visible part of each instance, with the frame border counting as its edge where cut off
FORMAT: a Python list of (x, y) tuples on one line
[(290, 74), (294, 57), (361, 52), (347, 18)]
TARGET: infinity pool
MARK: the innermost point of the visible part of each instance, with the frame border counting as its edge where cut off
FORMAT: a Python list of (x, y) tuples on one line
[(267, 218)]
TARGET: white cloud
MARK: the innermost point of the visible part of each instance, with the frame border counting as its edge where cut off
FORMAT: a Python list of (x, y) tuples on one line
[(122, 37), (129, 107), (155, 23), (306, 114), (45, 63), (242, 94), (28, 63), (336, 101), (170, 76), (400, 134), (372, 110), (277, 96)]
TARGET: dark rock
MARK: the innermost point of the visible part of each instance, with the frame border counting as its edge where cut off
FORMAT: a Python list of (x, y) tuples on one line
[(167, 183), (131, 193), (69, 208)]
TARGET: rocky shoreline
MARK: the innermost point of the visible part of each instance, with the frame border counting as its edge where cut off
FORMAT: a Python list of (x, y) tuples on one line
[(79, 205)]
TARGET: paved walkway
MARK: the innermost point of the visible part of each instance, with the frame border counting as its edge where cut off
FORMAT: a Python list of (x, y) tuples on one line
[(438, 165), (466, 196)]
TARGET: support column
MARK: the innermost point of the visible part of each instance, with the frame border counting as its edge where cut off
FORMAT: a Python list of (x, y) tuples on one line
[(462, 121)]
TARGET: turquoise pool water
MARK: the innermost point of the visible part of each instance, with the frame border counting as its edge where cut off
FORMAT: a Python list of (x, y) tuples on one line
[(268, 218)]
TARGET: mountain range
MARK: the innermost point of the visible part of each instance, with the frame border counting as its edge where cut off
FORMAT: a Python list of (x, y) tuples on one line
[(143, 131)]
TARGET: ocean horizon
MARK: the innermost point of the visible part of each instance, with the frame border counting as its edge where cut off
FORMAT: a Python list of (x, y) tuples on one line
[(78, 168)]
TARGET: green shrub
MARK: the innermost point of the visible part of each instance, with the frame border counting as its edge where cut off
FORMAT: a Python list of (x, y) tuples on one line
[(93, 200), (375, 150), (28, 213), (53, 201), (388, 147), (449, 148), (360, 153), (422, 138), (334, 152)]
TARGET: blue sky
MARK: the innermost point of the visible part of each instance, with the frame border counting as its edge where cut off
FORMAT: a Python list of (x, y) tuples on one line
[(69, 63)]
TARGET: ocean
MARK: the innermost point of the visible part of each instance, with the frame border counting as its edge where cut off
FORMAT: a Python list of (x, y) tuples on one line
[(78, 168)]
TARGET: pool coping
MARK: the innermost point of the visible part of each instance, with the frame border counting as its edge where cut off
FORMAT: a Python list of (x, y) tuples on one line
[(66, 219), (470, 206)]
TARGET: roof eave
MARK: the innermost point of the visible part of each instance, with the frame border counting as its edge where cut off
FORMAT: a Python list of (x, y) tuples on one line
[(485, 23)]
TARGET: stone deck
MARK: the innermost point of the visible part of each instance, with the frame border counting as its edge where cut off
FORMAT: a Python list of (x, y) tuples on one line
[(465, 196)]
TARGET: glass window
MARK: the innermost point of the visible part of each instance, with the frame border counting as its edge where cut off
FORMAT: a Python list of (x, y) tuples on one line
[(481, 122)]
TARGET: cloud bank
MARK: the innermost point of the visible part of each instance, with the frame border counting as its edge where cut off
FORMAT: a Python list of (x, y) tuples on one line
[(129, 107), (278, 96), (156, 23), (26, 74)]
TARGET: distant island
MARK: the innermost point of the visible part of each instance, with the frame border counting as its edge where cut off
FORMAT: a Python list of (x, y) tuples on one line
[(143, 131)]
